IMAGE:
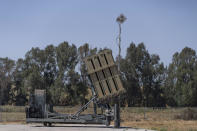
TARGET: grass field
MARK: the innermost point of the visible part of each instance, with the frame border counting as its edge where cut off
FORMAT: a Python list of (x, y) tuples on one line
[(158, 119)]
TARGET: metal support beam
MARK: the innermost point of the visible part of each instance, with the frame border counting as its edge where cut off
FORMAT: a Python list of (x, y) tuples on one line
[(83, 107)]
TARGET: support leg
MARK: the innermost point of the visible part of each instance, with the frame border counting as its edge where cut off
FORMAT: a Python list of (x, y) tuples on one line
[(95, 108), (116, 115)]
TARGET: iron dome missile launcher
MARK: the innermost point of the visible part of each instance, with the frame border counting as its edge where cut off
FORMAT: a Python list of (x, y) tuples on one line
[(105, 84)]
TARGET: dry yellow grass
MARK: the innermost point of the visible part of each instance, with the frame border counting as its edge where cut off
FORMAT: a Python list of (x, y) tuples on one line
[(161, 120), (171, 125), (12, 117)]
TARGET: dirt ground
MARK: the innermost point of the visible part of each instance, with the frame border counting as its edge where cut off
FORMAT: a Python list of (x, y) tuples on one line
[(69, 127), (171, 125)]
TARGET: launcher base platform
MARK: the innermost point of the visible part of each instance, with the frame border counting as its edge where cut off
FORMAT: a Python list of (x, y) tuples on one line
[(40, 112)]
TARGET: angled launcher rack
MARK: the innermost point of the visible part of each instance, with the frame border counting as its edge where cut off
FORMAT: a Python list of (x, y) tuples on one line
[(104, 77)]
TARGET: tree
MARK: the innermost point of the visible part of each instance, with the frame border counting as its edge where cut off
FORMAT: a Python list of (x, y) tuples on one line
[(6, 70), (35, 60), (181, 82), (18, 92), (52, 69), (66, 56), (143, 77)]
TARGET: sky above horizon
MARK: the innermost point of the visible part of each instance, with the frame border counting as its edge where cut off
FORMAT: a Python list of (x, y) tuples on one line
[(165, 27)]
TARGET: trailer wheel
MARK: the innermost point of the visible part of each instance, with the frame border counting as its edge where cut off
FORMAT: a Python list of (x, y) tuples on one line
[(108, 120), (45, 124), (49, 124)]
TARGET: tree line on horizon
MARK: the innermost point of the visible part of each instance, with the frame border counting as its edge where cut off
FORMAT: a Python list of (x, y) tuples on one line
[(61, 71)]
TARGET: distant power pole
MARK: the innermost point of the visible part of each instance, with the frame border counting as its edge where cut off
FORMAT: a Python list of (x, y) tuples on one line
[(120, 19)]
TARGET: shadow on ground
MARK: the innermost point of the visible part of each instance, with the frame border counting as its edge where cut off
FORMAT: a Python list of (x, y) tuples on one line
[(83, 126)]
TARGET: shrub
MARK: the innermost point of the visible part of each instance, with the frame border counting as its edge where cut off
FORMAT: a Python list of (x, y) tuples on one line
[(187, 114), (163, 129)]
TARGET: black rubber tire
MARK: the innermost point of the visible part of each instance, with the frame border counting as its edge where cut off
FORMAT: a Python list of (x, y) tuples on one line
[(45, 124), (49, 124)]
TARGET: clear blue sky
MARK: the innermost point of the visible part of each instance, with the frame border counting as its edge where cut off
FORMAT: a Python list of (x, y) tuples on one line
[(164, 26)]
